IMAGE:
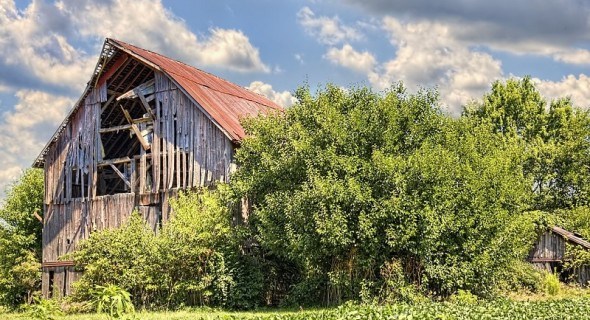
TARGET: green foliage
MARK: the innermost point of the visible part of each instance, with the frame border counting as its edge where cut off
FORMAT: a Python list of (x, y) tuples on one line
[(522, 276), (551, 284), (464, 297), (190, 261), (555, 136), (20, 239), (44, 309), (194, 248), (345, 181), (113, 300), (123, 257)]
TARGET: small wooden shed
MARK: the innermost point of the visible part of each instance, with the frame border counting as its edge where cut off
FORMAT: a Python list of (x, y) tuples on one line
[(145, 127), (549, 253)]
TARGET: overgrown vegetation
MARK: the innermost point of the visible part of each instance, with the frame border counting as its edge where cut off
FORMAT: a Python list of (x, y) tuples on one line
[(185, 263), (20, 239), (379, 198)]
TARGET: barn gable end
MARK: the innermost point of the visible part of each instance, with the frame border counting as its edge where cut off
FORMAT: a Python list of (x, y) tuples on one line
[(145, 127)]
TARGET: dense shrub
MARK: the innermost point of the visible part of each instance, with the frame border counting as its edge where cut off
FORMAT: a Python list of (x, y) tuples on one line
[(127, 257), (186, 263)]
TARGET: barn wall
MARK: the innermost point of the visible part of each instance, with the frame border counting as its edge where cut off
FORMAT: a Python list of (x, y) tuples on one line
[(75, 148), (186, 150), (549, 247), (193, 151)]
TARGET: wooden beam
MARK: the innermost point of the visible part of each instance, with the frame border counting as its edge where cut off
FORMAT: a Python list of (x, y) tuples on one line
[(116, 65), (146, 106), (140, 120), (38, 216), (55, 264), (106, 104), (114, 161), (115, 129), (143, 89), (135, 129), (120, 174)]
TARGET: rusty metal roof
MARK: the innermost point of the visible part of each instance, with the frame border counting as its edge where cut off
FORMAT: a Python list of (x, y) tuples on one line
[(571, 237), (223, 101)]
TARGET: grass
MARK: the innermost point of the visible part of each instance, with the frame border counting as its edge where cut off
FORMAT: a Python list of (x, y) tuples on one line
[(570, 303)]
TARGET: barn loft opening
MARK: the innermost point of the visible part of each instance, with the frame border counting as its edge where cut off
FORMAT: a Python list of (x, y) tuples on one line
[(126, 128)]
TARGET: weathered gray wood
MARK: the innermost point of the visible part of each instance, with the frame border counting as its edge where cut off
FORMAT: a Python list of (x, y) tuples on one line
[(116, 128), (114, 161)]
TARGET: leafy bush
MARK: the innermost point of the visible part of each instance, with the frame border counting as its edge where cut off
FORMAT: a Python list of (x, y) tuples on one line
[(464, 297), (551, 284), (522, 275), (113, 300), (44, 309), (126, 257), (191, 261), (194, 248)]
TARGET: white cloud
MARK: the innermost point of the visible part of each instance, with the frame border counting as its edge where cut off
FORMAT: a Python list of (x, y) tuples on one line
[(299, 58), (550, 28), (578, 56), (428, 54), (326, 30), (37, 44), (34, 52), (284, 98), (348, 57), (149, 24), (26, 128), (578, 88)]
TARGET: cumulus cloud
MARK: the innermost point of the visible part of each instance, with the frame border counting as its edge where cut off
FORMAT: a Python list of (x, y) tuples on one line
[(35, 52), (326, 30), (37, 44), (284, 98), (428, 54), (577, 88), (579, 56), (348, 57), (149, 24), (540, 27), (26, 128)]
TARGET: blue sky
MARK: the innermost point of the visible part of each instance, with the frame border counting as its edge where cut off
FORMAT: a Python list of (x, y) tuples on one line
[(49, 48)]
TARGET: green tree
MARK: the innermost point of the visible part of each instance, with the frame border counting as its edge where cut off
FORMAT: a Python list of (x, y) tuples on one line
[(20, 239), (347, 180), (556, 137)]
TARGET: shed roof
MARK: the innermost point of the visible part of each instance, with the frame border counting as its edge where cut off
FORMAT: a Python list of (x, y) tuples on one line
[(571, 237), (225, 103)]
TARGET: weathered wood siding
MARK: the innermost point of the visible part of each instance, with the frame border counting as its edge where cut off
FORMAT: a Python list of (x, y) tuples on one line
[(193, 151), (76, 152), (187, 150), (549, 247)]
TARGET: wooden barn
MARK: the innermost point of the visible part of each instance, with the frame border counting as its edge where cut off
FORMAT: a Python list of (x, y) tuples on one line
[(549, 254), (145, 127)]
